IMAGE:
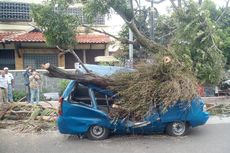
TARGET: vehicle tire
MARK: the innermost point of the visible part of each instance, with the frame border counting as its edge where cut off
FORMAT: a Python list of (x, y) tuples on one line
[(177, 128), (97, 132)]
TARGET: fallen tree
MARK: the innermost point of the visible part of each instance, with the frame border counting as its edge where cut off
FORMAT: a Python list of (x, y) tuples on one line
[(162, 83)]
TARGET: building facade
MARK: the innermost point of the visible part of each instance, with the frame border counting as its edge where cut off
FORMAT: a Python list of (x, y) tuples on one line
[(21, 44), (18, 50)]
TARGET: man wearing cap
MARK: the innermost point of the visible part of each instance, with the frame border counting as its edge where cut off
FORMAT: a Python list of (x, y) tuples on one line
[(10, 81)]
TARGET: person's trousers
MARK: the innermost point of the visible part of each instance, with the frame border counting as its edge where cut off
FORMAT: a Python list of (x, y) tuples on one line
[(34, 95), (3, 95), (10, 93), (28, 94)]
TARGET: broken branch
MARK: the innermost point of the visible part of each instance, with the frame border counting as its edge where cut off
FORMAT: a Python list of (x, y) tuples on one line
[(84, 78)]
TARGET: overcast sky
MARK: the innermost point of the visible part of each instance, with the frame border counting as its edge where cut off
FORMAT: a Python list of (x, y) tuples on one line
[(162, 8)]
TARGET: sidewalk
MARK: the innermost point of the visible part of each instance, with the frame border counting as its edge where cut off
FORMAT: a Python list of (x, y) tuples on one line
[(217, 100), (218, 120)]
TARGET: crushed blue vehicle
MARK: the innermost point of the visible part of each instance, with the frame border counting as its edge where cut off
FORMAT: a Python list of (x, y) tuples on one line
[(84, 110)]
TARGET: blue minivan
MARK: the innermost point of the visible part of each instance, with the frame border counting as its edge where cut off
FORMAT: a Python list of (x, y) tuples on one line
[(84, 110)]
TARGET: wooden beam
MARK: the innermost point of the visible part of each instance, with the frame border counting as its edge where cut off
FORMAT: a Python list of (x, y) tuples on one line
[(17, 47), (84, 56)]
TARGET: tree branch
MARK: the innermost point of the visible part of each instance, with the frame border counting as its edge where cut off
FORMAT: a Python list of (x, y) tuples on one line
[(179, 3), (144, 41), (138, 4), (168, 34), (122, 40), (174, 5), (75, 55), (132, 10), (222, 14), (84, 78), (157, 2)]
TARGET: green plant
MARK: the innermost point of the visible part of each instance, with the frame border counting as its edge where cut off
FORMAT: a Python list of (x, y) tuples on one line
[(18, 94), (42, 91), (62, 85)]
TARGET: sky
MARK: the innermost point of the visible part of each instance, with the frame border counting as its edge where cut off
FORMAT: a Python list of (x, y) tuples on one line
[(162, 8)]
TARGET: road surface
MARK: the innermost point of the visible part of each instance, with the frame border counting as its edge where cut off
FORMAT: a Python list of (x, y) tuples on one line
[(211, 138)]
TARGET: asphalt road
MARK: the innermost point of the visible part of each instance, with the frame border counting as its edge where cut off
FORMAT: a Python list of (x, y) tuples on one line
[(212, 138)]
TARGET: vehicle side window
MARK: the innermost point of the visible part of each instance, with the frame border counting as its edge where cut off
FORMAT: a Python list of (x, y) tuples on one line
[(80, 95), (103, 101)]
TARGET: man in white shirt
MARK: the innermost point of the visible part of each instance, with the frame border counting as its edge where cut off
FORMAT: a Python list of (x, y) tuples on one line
[(10, 81), (3, 87)]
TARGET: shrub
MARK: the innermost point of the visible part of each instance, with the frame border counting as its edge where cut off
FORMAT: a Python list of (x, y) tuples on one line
[(18, 94)]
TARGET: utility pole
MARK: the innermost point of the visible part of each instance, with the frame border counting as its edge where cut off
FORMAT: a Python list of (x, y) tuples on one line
[(130, 61), (151, 14), (151, 21)]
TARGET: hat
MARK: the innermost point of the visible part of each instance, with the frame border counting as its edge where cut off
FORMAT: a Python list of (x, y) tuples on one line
[(5, 68)]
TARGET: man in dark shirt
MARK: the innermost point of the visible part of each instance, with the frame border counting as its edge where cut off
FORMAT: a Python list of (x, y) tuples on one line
[(26, 76)]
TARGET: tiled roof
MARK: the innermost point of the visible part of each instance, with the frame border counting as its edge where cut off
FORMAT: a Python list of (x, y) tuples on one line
[(92, 39), (39, 37), (27, 37), (4, 35)]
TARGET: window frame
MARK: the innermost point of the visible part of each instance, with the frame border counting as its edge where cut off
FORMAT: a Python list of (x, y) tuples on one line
[(70, 97)]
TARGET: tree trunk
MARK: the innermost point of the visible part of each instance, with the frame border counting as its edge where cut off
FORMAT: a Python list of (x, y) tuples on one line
[(128, 17), (84, 78)]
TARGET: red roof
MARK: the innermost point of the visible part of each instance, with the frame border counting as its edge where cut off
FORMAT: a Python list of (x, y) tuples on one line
[(4, 35), (39, 37), (92, 38)]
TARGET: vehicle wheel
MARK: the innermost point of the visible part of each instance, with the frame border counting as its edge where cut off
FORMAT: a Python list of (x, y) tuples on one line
[(177, 128), (97, 132)]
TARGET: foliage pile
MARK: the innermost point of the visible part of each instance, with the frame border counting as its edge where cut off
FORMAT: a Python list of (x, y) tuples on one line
[(28, 117), (157, 84), (222, 109)]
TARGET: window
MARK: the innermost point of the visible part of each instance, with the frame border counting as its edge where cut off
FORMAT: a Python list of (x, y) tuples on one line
[(103, 101), (10, 11), (7, 59), (81, 95), (98, 20), (78, 11), (36, 60)]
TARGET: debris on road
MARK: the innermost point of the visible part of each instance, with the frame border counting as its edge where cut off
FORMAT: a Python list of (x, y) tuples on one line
[(26, 117), (220, 109)]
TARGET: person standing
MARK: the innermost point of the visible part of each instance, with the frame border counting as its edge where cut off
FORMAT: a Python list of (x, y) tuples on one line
[(3, 87), (10, 80), (26, 76), (35, 81)]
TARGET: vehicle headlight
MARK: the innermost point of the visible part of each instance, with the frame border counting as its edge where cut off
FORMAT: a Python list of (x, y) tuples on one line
[(204, 108)]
